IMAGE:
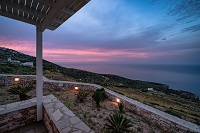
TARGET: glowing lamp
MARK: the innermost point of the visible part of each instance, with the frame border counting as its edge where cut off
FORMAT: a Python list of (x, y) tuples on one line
[(16, 79), (76, 88), (118, 100)]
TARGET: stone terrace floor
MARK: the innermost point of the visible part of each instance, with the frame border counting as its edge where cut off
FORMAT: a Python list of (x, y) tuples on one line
[(37, 127)]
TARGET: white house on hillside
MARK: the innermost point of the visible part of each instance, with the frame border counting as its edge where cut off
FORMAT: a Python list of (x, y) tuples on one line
[(15, 61), (12, 61), (9, 59), (27, 64), (150, 89)]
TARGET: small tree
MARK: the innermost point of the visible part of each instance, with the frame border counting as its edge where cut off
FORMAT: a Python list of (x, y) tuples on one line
[(121, 107), (21, 90), (97, 96), (118, 124), (103, 93)]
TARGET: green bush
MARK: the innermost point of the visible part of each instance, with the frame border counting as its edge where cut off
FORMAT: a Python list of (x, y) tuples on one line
[(97, 96), (121, 107), (172, 112), (85, 116), (21, 90), (197, 122), (117, 123), (69, 104), (81, 96), (144, 90), (103, 92)]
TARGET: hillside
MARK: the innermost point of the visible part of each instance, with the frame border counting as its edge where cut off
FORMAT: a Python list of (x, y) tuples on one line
[(54, 71)]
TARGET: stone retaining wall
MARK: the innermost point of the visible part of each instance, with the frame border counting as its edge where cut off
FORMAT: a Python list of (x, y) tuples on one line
[(50, 125), (67, 86), (17, 114), (9, 80)]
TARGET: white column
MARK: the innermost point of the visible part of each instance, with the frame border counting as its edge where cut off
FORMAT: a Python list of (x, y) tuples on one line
[(39, 73)]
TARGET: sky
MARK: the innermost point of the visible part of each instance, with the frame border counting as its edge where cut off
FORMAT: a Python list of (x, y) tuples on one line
[(116, 31)]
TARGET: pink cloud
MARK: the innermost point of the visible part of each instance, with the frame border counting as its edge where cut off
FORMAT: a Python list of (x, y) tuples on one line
[(24, 46), (74, 54)]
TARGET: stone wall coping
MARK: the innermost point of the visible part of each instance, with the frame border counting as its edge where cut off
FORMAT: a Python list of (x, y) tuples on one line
[(63, 118), (17, 106), (13, 75)]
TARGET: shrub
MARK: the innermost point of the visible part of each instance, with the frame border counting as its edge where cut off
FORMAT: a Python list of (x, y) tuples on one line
[(69, 104), (2, 82), (144, 90), (172, 112), (97, 96), (21, 90), (81, 96), (197, 122), (85, 116), (117, 123), (121, 107), (103, 92)]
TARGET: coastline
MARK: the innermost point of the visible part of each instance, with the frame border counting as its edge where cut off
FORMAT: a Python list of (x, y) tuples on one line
[(185, 78)]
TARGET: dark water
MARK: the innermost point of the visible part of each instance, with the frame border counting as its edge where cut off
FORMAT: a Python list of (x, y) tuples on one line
[(180, 77)]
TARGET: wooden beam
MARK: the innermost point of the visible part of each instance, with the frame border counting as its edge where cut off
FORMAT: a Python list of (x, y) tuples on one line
[(23, 8), (87, 1), (58, 21), (68, 11), (58, 6), (51, 27), (48, 3), (16, 17)]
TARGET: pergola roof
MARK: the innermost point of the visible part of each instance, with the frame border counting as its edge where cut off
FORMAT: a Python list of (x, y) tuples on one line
[(45, 14)]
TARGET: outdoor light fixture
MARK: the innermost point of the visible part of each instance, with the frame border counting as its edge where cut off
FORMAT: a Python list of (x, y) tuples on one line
[(118, 100), (76, 88), (16, 79)]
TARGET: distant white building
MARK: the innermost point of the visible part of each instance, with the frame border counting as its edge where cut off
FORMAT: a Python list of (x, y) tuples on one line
[(15, 61), (12, 61), (27, 64), (9, 59), (150, 89)]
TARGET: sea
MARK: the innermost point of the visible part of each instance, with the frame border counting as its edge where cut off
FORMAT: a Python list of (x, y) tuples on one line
[(179, 77)]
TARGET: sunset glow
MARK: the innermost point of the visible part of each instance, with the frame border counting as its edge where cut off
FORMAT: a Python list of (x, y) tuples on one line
[(134, 32), (72, 55)]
